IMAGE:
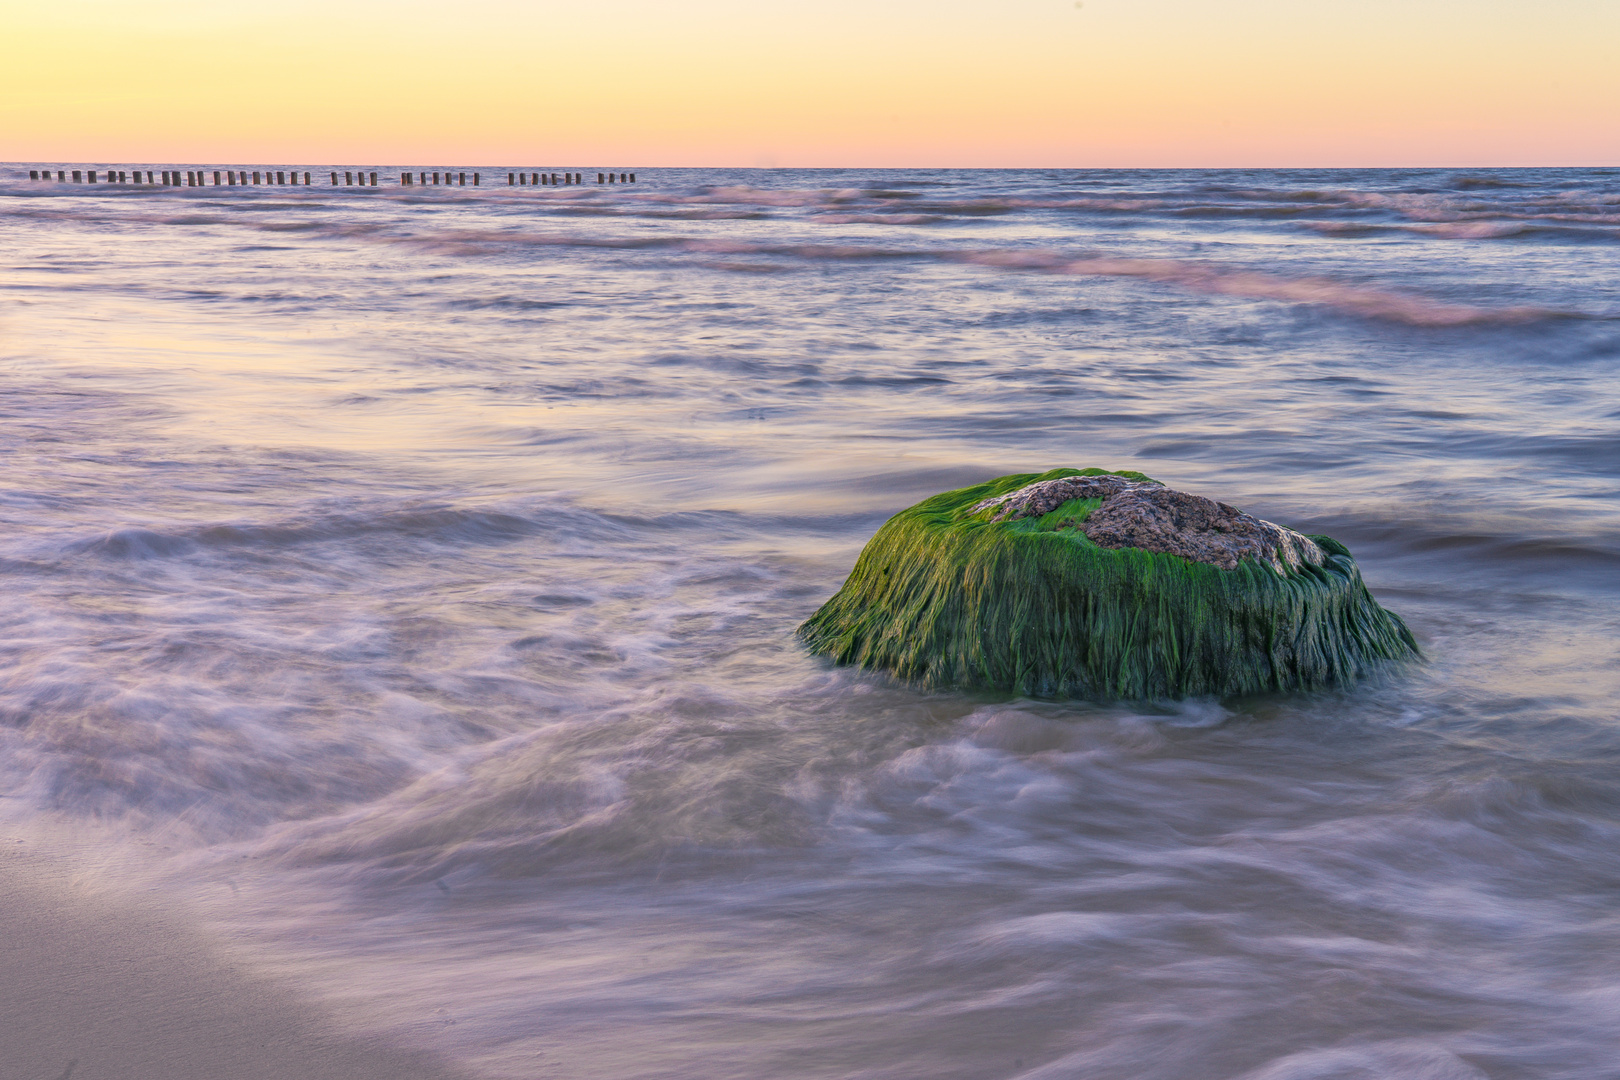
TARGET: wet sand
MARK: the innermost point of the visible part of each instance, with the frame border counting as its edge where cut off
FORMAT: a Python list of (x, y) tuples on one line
[(104, 988)]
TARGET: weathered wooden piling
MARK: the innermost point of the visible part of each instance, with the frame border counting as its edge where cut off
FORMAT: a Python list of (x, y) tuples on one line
[(235, 177)]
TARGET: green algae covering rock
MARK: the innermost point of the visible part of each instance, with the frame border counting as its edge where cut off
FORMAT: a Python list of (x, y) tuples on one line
[(1104, 585)]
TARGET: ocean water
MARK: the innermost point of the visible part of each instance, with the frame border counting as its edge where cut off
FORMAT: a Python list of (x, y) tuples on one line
[(403, 581)]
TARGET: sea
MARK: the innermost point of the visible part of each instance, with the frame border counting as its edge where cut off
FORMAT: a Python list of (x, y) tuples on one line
[(402, 582)]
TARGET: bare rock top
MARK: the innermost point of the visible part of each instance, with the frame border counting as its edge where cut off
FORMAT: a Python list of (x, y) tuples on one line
[(1150, 516)]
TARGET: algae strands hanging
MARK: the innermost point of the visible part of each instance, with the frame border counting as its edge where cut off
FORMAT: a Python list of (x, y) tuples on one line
[(1109, 585)]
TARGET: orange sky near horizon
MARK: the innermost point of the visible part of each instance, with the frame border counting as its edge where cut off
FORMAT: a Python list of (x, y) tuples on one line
[(905, 83)]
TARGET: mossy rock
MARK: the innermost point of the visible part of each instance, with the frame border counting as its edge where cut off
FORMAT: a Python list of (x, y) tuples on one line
[(1103, 585)]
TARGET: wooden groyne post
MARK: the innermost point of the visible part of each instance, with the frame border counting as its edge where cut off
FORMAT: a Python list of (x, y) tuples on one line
[(351, 178), (521, 179)]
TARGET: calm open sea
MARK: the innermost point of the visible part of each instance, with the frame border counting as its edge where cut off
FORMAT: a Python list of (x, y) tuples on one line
[(406, 579)]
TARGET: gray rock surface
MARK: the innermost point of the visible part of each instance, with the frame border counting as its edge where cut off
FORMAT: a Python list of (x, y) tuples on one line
[(1150, 516)]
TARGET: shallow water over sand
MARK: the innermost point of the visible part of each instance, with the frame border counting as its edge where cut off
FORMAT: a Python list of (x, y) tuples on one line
[(407, 580)]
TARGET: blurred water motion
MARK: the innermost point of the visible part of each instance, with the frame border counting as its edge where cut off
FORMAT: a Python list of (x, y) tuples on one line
[(408, 579)]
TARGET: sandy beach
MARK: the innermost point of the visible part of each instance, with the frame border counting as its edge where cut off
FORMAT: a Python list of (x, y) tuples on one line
[(103, 987)]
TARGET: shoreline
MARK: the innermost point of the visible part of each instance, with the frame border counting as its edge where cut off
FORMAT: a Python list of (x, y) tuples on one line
[(110, 987)]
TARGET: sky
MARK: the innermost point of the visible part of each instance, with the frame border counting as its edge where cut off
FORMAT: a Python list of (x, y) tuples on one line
[(901, 83)]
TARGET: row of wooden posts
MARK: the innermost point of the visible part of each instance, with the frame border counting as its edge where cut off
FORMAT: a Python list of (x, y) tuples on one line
[(233, 178)]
